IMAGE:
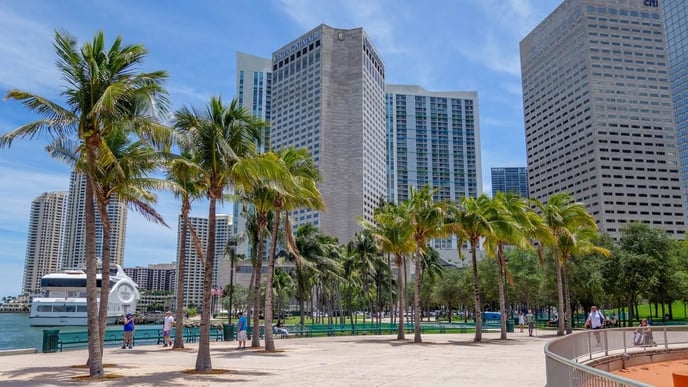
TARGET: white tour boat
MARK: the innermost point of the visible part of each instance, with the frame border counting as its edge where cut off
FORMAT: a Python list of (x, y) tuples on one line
[(63, 301)]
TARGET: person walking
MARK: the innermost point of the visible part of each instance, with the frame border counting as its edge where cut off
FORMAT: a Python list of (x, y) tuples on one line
[(241, 330), (521, 320), (128, 334), (595, 321), (167, 325), (530, 319)]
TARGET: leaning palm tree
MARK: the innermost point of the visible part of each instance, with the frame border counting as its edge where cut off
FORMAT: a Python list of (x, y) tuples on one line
[(222, 138), (297, 189), (185, 175), (427, 219), (394, 235), (103, 87), (475, 219), (571, 227)]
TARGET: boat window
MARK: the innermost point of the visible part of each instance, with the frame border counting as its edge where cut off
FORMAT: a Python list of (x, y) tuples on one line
[(64, 308), (45, 308), (81, 308)]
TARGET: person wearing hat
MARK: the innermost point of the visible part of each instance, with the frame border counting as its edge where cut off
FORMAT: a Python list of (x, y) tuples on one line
[(128, 335), (167, 325)]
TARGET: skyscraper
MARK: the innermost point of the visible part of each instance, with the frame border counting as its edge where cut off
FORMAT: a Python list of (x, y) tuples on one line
[(74, 249), (193, 276), (598, 114), (328, 96), (433, 138), (510, 179), (676, 27), (43, 247), (254, 84)]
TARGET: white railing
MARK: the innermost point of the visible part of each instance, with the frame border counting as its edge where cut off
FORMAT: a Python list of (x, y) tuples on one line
[(566, 358)]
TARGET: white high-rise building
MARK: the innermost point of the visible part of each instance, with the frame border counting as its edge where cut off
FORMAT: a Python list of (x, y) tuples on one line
[(328, 96), (74, 243), (598, 113), (193, 276), (433, 138), (43, 245)]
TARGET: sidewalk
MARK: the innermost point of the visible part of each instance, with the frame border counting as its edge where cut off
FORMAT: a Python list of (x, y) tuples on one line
[(442, 360)]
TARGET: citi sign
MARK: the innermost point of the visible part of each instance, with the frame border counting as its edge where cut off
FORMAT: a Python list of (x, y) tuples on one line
[(651, 3)]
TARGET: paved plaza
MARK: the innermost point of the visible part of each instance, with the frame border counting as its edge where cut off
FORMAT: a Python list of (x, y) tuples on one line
[(442, 360)]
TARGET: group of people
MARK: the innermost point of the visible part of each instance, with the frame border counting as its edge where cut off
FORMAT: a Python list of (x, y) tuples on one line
[(641, 336), (526, 317), (130, 328)]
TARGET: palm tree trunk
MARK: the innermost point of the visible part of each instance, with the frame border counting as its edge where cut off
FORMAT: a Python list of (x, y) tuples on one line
[(105, 274), (567, 297), (255, 337), (416, 301), (402, 299), (502, 297), (269, 340), (95, 355), (560, 295), (476, 294), (181, 273), (203, 360)]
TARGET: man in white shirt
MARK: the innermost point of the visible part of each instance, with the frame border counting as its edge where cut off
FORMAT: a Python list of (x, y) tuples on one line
[(595, 321), (167, 325)]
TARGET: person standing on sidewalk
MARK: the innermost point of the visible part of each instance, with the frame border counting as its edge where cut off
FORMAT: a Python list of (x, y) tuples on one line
[(241, 330), (530, 320), (167, 325), (595, 321), (128, 334)]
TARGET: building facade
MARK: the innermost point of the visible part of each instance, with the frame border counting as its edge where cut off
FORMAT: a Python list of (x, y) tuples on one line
[(676, 27), (43, 245), (510, 179), (156, 277), (74, 248), (193, 276), (328, 96), (433, 138), (598, 113)]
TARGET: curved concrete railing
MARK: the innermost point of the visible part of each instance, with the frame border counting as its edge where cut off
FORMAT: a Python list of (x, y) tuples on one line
[(579, 360)]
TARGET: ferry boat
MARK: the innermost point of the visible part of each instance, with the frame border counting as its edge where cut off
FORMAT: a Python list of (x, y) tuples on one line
[(63, 301)]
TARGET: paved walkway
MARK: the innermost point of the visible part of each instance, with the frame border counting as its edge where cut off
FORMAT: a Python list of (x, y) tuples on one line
[(442, 360)]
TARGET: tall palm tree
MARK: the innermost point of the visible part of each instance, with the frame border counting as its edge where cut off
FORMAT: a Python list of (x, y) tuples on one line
[(572, 228), (393, 233), (428, 220), (362, 252), (223, 139), (475, 219), (104, 89), (298, 190), (185, 175)]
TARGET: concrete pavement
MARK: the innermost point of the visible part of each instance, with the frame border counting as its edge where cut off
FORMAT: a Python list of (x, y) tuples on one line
[(441, 360)]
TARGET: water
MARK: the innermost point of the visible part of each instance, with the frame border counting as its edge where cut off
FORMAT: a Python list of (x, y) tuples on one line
[(17, 333)]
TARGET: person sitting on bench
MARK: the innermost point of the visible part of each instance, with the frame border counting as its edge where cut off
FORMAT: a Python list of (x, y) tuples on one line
[(281, 329)]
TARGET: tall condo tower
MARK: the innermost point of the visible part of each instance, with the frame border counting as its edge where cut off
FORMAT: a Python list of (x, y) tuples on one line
[(433, 138), (676, 27), (43, 243), (328, 96), (193, 276), (74, 249), (510, 179), (598, 113)]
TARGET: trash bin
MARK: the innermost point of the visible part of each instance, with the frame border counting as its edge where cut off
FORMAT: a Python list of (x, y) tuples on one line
[(228, 331), (509, 325), (50, 339)]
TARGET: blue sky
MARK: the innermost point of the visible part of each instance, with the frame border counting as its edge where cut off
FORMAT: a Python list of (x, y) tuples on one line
[(441, 45)]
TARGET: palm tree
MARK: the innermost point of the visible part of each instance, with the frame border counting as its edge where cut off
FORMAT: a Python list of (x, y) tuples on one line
[(104, 89), (474, 220), (393, 233), (222, 138), (185, 175), (427, 219), (362, 253), (572, 228), (298, 191)]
